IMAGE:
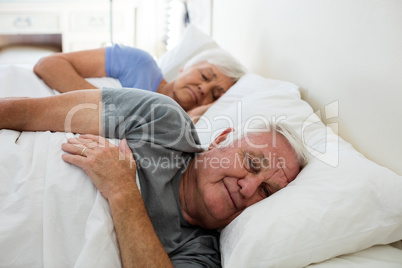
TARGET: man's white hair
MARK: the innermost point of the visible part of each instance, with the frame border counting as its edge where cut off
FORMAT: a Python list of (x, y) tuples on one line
[(279, 127), (225, 62)]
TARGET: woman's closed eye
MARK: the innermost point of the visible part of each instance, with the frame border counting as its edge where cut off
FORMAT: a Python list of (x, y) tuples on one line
[(204, 77)]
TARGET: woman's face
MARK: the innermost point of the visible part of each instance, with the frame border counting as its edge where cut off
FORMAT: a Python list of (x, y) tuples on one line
[(200, 84)]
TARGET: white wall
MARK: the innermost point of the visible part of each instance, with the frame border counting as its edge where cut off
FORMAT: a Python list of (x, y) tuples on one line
[(337, 50), (150, 26)]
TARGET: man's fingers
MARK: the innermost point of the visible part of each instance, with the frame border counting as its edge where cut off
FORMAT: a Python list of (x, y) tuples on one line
[(88, 140), (74, 160), (75, 149), (123, 146), (101, 140), (125, 149), (83, 142)]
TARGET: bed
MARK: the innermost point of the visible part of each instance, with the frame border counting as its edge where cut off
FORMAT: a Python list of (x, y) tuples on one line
[(343, 210)]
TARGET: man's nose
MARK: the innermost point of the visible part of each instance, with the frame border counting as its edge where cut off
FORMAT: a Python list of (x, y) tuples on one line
[(249, 185)]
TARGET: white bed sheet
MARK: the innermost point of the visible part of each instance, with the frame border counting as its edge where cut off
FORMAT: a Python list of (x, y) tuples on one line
[(51, 215)]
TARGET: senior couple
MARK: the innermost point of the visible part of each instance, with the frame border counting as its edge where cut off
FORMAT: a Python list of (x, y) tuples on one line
[(171, 218)]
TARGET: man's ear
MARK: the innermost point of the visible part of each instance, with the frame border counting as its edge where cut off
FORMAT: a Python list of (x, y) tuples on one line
[(220, 138)]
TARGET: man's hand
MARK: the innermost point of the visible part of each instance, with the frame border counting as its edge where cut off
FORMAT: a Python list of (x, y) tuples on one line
[(111, 168)]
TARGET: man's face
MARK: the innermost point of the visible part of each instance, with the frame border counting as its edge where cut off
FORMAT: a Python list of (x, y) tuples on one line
[(200, 84), (230, 179)]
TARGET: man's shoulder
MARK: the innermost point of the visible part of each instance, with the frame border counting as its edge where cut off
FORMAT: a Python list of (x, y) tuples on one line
[(151, 112), (143, 101)]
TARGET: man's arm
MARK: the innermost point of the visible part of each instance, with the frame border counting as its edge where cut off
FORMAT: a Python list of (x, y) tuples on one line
[(66, 71), (138, 242), (78, 112), (112, 170)]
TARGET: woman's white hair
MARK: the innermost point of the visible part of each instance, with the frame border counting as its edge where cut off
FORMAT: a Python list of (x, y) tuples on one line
[(278, 127), (225, 62)]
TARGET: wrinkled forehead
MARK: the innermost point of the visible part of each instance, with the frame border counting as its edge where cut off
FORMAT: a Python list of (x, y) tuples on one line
[(263, 139), (203, 65), (272, 143), (215, 71)]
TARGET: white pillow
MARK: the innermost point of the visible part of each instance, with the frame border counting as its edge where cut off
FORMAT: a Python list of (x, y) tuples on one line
[(193, 42), (340, 203)]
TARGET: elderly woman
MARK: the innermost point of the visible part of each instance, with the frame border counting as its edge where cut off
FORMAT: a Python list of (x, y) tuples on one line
[(201, 81)]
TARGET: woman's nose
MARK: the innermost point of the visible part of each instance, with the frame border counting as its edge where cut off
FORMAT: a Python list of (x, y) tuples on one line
[(202, 89), (205, 88)]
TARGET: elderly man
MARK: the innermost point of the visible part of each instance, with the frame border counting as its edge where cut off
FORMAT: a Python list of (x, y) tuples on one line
[(185, 193)]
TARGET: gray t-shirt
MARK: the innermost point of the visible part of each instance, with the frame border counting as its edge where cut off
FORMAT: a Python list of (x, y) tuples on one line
[(163, 140)]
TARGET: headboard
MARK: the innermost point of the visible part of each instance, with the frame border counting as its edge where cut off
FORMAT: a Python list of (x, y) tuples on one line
[(344, 55)]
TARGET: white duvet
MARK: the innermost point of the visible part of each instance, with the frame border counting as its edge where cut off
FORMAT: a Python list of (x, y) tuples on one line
[(51, 215)]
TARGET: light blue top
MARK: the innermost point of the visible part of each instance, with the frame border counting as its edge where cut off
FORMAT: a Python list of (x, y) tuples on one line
[(133, 67)]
